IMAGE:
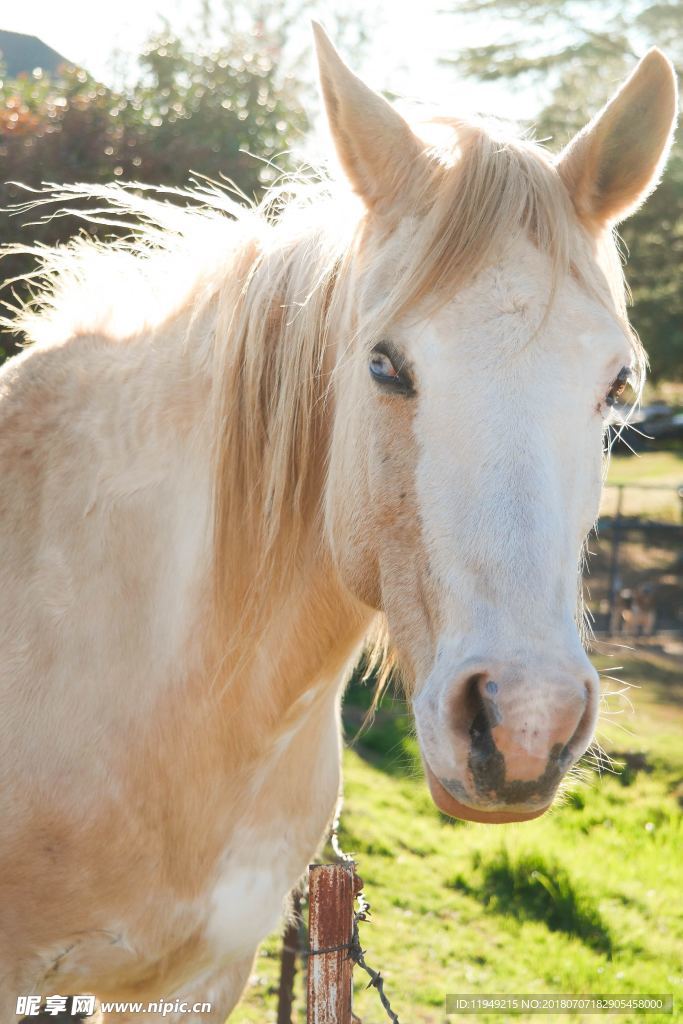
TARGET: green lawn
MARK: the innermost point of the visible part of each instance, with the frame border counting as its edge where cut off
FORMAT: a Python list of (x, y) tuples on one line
[(659, 469), (586, 899)]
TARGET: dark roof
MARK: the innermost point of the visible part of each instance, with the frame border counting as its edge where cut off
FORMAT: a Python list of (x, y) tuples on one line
[(19, 52)]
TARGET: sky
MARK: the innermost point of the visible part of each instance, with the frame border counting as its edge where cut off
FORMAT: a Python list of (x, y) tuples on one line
[(403, 54)]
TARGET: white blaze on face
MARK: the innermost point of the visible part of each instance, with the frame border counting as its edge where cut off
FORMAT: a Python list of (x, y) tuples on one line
[(508, 430)]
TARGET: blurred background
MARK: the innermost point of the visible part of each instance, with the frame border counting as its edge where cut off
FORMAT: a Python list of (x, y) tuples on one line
[(587, 899)]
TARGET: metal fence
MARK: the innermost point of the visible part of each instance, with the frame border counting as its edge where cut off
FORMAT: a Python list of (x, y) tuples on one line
[(634, 573)]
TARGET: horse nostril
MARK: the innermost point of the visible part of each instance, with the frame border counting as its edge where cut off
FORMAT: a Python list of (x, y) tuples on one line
[(582, 735), (479, 713), (480, 725)]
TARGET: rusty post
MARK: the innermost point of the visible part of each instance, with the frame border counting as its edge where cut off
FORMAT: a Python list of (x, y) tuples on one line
[(331, 893), (290, 947)]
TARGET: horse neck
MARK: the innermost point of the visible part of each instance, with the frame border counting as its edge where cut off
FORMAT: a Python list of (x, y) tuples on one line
[(286, 656)]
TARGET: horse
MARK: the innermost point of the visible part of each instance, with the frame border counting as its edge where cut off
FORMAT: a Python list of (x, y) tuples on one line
[(246, 444)]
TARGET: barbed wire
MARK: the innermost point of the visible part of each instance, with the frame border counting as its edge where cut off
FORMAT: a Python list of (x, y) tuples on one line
[(357, 954), (362, 914), (340, 854)]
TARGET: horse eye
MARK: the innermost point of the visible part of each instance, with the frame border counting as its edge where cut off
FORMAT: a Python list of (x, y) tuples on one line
[(618, 385), (388, 368), (382, 368)]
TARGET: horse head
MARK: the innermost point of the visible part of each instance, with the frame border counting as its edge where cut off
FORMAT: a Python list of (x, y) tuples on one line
[(481, 345)]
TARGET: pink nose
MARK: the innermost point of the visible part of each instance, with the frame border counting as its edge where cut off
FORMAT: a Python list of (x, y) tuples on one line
[(520, 740)]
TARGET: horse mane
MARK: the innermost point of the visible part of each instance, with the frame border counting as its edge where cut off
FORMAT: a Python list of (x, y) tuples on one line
[(273, 281)]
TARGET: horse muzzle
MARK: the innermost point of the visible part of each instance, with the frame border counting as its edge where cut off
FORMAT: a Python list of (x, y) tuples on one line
[(496, 743)]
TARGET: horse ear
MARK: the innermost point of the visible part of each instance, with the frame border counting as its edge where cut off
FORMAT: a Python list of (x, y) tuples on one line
[(615, 162), (376, 147)]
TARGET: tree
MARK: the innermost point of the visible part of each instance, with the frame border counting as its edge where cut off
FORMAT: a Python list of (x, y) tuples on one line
[(212, 111), (579, 50)]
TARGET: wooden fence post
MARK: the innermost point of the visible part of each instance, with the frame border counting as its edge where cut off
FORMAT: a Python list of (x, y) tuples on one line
[(331, 894)]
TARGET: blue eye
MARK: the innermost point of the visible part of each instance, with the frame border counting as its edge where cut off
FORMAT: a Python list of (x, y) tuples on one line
[(382, 368), (388, 368)]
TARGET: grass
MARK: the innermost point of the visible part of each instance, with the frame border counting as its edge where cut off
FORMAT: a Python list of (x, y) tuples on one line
[(533, 887), (658, 469), (664, 468), (585, 899)]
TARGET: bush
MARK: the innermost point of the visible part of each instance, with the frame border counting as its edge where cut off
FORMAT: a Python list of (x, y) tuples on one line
[(187, 112)]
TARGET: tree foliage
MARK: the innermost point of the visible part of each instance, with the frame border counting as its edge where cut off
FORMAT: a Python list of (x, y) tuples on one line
[(190, 109), (578, 51)]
